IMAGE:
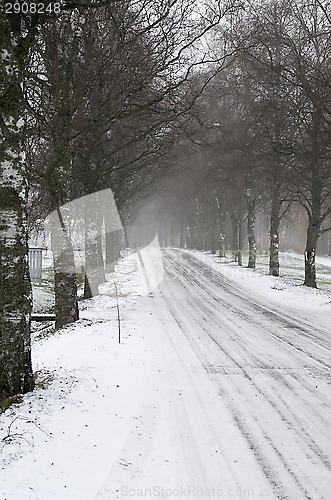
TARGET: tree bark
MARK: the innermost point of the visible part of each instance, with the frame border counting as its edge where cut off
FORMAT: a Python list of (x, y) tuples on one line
[(59, 171), (235, 235), (250, 230), (274, 231), (315, 211), (65, 283), (199, 227), (183, 232), (214, 231), (240, 243), (192, 239), (310, 266), (15, 288), (113, 248), (240, 233), (222, 222), (110, 251), (94, 264), (313, 233)]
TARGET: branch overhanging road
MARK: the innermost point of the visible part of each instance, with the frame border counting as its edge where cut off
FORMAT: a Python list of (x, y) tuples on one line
[(239, 404)]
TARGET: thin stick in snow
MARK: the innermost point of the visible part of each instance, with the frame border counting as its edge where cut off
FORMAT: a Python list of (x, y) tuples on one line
[(118, 315)]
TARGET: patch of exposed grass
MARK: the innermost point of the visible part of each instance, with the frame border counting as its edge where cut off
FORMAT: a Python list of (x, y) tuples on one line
[(43, 295), (292, 268)]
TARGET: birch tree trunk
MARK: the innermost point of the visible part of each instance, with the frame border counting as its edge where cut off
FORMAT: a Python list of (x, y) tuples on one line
[(15, 288), (313, 232), (319, 192)]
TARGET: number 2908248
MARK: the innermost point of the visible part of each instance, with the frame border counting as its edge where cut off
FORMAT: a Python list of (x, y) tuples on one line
[(30, 7)]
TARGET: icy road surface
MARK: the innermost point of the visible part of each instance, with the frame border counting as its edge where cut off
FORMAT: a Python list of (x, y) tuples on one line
[(239, 404)]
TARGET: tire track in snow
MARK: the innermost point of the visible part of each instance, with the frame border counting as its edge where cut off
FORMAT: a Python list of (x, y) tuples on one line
[(209, 309), (261, 365), (267, 469), (183, 272), (302, 328), (320, 336), (204, 423)]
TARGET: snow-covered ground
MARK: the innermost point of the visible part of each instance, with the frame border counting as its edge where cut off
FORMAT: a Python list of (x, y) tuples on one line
[(219, 388)]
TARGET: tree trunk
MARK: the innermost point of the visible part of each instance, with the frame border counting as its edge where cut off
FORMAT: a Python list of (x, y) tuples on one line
[(65, 283), (214, 232), (101, 262), (274, 232), (250, 231), (113, 248), (192, 240), (206, 227), (199, 227), (189, 242), (313, 233), (182, 233), (240, 242), (110, 252), (15, 288), (222, 223), (310, 267), (94, 265), (116, 236), (240, 234), (199, 231), (173, 234), (59, 179), (235, 235)]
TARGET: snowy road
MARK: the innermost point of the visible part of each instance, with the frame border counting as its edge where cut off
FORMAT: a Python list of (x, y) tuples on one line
[(238, 404), (220, 388)]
